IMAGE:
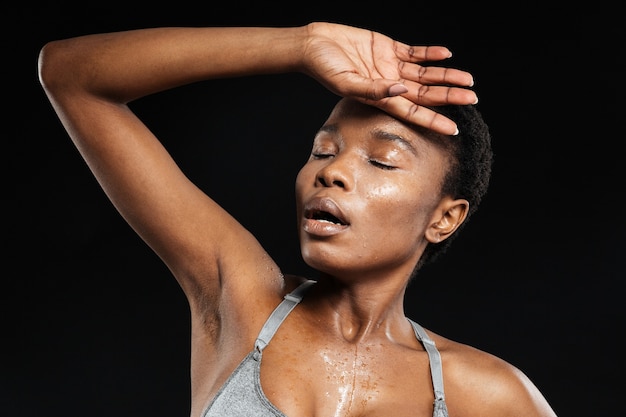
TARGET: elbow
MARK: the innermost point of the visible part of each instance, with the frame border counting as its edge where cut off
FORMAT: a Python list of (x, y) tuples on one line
[(49, 68), (44, 64), (61, 69)]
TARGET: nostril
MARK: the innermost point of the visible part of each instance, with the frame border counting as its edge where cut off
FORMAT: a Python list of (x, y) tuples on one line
[(324, 183), (334, 175)]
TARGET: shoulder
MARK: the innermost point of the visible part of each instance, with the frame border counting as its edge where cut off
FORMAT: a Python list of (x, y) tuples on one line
[(479, 383)]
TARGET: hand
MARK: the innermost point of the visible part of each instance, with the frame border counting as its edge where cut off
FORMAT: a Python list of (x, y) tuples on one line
[(385, 73)]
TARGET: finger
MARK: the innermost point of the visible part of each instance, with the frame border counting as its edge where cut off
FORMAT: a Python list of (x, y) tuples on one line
[(436, 75), (419, 115), (366, 89), (410, 53), (429, 95), (416, 93), (410, 106)]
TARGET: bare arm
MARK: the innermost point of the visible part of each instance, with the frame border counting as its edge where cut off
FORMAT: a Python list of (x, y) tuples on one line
[(89, 81)]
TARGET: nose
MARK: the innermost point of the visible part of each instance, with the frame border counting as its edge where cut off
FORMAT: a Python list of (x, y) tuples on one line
[(337, 173)]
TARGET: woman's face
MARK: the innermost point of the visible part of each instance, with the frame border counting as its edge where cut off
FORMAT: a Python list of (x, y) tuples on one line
[(367, 194)]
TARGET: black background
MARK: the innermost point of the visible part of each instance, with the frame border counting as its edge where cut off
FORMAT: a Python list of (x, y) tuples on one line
[(92, 322)]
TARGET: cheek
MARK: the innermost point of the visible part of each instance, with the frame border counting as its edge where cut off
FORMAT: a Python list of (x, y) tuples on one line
[(303, 179), (306, 175), (401, 205), (388, 191), (298, 188), (392, 198)]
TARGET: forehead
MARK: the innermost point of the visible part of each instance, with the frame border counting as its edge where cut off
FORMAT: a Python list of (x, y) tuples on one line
[(352, 109), (369, 121)]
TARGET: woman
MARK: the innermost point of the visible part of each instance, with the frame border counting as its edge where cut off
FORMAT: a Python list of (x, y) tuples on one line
[(389, 182)]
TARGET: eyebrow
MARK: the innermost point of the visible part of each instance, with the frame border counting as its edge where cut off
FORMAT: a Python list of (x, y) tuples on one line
[(328, 129), (392, 137), (377, 134)]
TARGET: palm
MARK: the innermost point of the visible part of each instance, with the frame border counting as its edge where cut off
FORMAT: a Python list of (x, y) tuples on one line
[(362, 64)]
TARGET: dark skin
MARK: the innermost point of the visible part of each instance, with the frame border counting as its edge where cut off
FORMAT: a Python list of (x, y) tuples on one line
[(370, 169)]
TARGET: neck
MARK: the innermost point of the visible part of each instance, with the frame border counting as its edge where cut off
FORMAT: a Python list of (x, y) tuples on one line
[(363, 309)]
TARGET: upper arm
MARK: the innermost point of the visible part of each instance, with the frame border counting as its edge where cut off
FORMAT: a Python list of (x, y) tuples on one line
[(210, 253)]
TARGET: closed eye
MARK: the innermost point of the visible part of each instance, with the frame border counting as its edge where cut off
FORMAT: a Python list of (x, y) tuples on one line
[(322, 155), (381, 165)]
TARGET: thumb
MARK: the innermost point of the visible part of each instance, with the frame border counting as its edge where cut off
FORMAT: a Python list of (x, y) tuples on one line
[(381, 88), (397, 89)]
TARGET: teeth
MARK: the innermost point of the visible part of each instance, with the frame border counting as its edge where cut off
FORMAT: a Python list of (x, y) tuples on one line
[(327, 218)]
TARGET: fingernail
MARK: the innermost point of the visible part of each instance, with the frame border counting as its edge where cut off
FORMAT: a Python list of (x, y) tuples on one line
[(397, 89)]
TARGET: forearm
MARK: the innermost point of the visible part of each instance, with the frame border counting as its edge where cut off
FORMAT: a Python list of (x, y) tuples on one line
[(123, 66)]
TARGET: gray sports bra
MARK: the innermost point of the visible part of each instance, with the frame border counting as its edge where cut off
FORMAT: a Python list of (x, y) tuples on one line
[(242, 395)]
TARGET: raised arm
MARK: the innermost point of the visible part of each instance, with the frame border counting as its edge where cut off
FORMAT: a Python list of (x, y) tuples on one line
[(89, 81)]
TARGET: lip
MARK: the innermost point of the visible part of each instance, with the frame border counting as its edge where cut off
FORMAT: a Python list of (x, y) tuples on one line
[(323, 217)]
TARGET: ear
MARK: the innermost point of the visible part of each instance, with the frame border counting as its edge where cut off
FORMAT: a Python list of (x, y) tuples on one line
[(446, 219)]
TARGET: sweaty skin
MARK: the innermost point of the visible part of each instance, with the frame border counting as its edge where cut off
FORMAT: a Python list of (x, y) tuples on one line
[(368, 203), (383, 181)]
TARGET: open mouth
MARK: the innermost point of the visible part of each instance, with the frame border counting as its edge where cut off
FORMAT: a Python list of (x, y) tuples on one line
[(324, 216), (324, 210)]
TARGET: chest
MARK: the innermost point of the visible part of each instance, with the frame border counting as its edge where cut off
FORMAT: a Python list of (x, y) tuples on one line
[(309, 378)]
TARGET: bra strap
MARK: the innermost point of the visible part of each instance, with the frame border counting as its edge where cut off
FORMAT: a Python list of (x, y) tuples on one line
[(279, 314), (435, 368)]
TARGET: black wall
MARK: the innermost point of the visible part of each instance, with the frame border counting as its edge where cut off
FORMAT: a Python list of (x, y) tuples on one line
[(93, 323)]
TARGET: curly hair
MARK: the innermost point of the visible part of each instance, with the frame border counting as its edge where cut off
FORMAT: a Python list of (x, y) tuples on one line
[(471, 159)]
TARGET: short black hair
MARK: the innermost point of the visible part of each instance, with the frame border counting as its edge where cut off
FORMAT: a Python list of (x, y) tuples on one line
[(471, 159)]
